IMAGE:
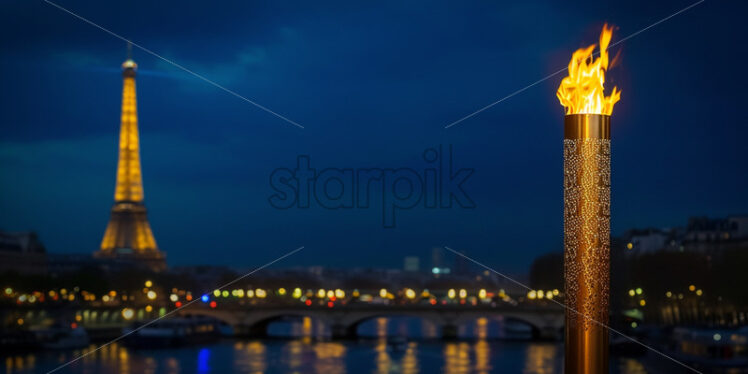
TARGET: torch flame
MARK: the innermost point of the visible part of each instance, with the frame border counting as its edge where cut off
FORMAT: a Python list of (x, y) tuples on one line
[(582, 91)]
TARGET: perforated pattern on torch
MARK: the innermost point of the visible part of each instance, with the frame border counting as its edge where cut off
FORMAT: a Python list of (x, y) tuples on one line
[(587, 229)]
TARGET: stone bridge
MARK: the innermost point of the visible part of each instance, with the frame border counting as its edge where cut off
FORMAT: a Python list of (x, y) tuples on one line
[(547, 322)]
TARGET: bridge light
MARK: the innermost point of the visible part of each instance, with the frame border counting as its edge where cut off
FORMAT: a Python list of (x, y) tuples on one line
[(540, 294), (339, 293), (356, 293), (482, 293), (178, 304), (148, 283), (148, 308), (225, 293), (632, 293), (296, 293), (642, 302), (639, 291), (128, 313), (250, 293), (216, 293), (555, 292), (308, 302), (699, 292), (532, 295), (173, 298), (432, 301), (463, 293), (320, 293), (692, 288), (330, 304), (240, 293), (151, 295), (8, 291), (260, 293), (330, 294), (410, 294), (451, 293), (549, 295), (105, 298), (281, 291), (213, 304), (204, 298), (383, 293)]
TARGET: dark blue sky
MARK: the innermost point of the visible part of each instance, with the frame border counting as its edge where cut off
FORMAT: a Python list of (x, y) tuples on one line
[(374, 85)]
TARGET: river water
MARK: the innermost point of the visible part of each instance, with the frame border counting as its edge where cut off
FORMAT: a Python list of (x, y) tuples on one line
[(289, 353)]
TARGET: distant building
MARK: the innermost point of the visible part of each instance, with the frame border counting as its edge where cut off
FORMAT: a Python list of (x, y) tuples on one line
[(412, 263), (22, 252), (702, 234), (706, 234), (648, 240)]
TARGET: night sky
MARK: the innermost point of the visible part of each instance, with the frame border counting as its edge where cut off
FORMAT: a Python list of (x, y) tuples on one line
[(373, 85)]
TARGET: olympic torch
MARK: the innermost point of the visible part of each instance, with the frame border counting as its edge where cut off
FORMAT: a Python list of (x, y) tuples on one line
[(587, 208)]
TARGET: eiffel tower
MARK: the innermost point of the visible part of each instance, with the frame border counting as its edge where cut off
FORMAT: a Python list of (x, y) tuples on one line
[(128, 235)]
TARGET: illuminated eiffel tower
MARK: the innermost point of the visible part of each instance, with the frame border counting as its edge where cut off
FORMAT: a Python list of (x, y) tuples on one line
[(128, 235)]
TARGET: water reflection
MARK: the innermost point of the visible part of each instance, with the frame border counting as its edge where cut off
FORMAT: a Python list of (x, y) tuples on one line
[(385, 352)]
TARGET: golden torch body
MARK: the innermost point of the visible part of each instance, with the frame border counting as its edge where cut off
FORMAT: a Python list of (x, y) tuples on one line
[(586, 241)]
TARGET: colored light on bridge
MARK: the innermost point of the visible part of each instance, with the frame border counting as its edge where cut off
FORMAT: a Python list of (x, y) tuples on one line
[(260, 293), (532, 295), (73, 325), (213, 304), (204, 298), (250, 293), (225, 293), (451, 293), (8, 291), (692, 288), (330, 304), (308, 302), (383, 293), (173, 297), (151, 295), (699, 292), (540, 294), (281, 291), (321, 293), (642, 302), (356, 293), (717, 337), (296, 293), (216, 293), (432, 301), (189, 297), (128, 313), (148, 283), (632, 293), (410, 294), (669, 294), (105, 298), (330, 294), (148, 308), (482, 293), (639, 291), (339, 293), (178, 304), (463, 293)]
